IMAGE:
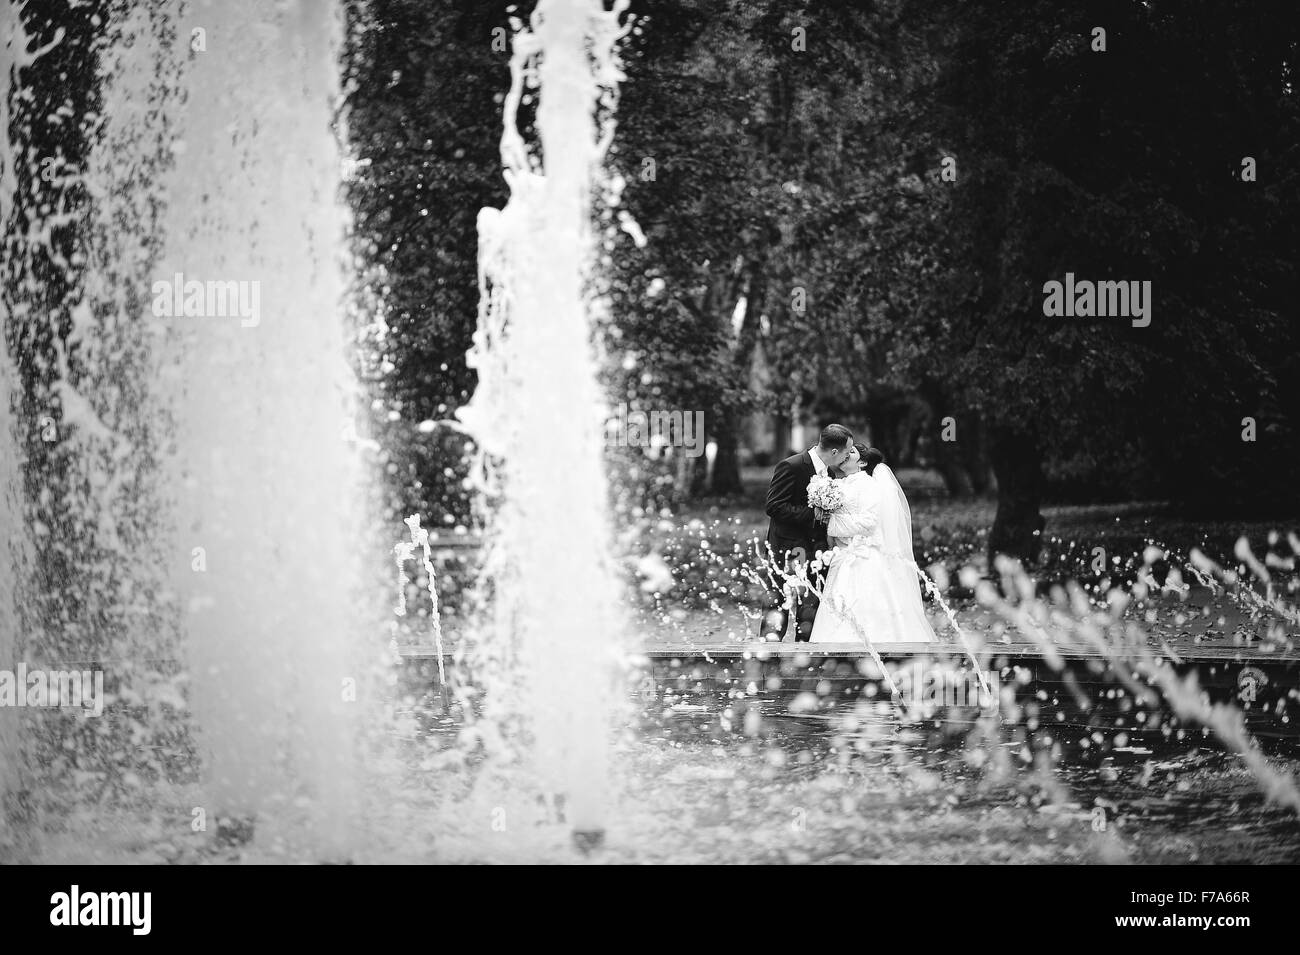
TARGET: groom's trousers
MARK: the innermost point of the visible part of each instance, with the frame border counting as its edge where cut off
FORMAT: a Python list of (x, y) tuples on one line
[(803, 602)]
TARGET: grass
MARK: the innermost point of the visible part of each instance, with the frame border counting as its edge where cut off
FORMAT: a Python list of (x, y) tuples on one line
[(709, 549)]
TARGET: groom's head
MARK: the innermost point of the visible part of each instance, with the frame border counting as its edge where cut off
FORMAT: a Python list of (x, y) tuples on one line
[(833, 447)]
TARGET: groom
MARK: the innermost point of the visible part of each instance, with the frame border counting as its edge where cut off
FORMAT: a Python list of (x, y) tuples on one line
[(794, 531)]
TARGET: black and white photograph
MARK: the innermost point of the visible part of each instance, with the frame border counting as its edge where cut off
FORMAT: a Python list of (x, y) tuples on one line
[(651, 432)]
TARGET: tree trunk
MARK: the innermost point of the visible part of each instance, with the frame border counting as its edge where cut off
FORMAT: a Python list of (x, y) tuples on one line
[(698, 469), (1018, 466), (684, 476), (882, 420), (730, 417), (949, 464), (974, 455), (726, 466), (780, 437), (950, 457)]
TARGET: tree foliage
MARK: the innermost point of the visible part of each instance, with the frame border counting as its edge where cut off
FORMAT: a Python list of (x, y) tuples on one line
[(786, 163)]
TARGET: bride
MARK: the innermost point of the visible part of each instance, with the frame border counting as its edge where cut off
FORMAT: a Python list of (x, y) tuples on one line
[(872, 591)]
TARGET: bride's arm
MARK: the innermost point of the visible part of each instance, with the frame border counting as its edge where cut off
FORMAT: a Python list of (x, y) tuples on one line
[(839, 525), (848, 520), (842, 523)]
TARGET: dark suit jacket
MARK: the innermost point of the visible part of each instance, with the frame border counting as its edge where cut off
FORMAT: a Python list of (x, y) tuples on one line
[(792, 523)]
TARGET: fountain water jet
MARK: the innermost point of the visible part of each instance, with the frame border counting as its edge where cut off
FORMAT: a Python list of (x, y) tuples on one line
[(404, 552), (266, 486), (14, 54), (538, 413)]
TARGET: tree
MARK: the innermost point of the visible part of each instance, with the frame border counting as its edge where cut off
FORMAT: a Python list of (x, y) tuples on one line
[(425, 81), (1109, 165)]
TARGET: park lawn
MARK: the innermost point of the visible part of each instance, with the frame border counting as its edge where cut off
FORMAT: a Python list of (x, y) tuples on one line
[(707, 545)]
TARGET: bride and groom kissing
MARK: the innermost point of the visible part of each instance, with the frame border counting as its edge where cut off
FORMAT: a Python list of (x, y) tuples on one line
[(845, 570)]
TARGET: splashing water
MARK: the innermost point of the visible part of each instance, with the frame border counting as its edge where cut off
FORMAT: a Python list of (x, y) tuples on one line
[(265, 483), (1068, 621), (933, 590), (537, 414), (16, 52), (404, 552), (1209, 574), (80, 537), (259, 528), (203, 400), (772, 575)]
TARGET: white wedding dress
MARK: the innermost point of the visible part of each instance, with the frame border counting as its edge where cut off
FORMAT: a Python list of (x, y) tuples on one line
[(872, 590)]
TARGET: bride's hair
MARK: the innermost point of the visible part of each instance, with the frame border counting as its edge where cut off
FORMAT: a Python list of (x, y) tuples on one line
[(870, 457)]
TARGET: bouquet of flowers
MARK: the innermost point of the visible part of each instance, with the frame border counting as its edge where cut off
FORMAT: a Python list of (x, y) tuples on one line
[(824, 494)]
